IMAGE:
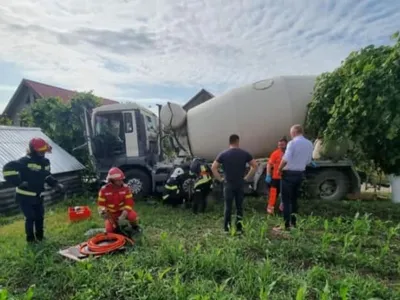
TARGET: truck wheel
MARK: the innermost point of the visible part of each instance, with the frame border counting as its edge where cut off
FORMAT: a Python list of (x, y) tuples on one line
[(328, 185), (139, 182)]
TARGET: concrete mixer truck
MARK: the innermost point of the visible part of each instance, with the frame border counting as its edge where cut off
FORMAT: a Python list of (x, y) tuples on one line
[(129, 136)]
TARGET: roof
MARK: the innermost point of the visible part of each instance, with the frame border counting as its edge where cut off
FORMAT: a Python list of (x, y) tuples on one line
[(14, 142), (122, 106), (195, 97), (45, 91)]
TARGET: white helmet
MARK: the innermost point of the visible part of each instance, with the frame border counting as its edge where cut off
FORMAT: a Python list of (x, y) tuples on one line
[(177, 172)]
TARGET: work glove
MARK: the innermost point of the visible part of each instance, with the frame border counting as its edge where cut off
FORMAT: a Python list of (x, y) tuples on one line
[(268, 179), (123, 215), (313, 164), (102, 213), (122, 218), (24, 185)]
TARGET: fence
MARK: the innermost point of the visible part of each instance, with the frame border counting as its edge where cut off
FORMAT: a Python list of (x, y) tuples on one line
[(71, 181)]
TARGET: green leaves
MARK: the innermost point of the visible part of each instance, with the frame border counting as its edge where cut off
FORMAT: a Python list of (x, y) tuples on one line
[(360, 100), (5, 121), (62, 122)]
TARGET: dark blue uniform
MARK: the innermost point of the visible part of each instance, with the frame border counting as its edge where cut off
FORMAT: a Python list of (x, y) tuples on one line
[(29, 174), (174, 193), (200, 170)]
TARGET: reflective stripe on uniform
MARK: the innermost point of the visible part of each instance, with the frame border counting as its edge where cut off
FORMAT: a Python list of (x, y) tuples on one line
[(110, 205), (202, 181), (205, 177), (127, 207), (165, 197), (10, 173), (34, 166), (47, 168), (129, 196), (171, 187), (101, 199), (25, 193)]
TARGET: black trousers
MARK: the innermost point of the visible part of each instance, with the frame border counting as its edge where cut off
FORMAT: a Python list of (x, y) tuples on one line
[(233, 192), (33, 210), (174, 199), (200, 197), (291, 184)]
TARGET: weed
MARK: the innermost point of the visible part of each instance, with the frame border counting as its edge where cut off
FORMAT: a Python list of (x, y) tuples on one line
[(347, 250)]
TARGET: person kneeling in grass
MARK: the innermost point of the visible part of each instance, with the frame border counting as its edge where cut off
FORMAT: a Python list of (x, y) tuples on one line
[(115, 203)]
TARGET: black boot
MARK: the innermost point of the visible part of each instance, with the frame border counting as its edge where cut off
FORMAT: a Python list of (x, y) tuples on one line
[(136, 230), (30, 239), (40, 238)]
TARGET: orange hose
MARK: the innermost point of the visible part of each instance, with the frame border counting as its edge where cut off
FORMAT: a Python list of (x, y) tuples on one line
[(116, 241)]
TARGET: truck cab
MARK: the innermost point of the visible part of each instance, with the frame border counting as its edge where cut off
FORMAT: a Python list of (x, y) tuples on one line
[(124, 136)]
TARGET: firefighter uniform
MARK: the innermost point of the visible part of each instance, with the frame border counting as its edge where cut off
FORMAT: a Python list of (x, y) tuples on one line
[(203, 184), (29, 174), (173, 193), (275, 185), (114, 200)]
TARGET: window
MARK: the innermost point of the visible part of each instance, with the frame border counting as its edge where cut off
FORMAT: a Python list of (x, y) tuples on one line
[(150, 125), (107, 124), (128, 122), (109, 133)]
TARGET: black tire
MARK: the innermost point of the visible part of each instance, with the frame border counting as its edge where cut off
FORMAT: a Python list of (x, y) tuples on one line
[(136, 178), (328, 185)]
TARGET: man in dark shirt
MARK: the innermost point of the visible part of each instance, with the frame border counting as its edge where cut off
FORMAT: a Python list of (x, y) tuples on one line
[(234, 162)]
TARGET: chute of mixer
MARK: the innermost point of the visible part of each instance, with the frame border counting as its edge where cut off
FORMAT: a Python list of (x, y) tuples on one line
[(173, 118)]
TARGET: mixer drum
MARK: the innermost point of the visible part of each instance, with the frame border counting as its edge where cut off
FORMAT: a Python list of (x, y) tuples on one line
[(260, 113)]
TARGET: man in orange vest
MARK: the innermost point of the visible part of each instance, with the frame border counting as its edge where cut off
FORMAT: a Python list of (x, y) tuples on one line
[(273, 177)]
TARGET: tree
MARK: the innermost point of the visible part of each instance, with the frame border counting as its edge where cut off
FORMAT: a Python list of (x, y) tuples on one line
[(360, 102), (63, 123), (5, 121)]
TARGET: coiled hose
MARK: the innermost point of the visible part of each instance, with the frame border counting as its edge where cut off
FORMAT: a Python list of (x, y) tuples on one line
[(104, 243)]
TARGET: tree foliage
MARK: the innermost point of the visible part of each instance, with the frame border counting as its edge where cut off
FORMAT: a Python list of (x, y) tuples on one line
[(62, 122), (360, 101), (5, 121)]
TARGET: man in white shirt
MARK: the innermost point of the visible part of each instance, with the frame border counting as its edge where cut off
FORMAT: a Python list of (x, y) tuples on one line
[(297, 156)]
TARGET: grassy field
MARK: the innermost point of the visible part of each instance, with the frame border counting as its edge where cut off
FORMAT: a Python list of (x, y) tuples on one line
[(345, 250)]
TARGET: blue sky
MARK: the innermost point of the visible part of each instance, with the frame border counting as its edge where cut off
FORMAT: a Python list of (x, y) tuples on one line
[(153, 51)]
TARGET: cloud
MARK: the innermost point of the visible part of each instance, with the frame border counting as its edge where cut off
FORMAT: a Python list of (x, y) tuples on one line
[(107, 44), (7, 88)]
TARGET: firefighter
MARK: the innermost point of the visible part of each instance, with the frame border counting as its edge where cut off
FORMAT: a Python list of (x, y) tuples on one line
[(115, 203), (29, 174), (273, 177), (173, 190), (203, 184)]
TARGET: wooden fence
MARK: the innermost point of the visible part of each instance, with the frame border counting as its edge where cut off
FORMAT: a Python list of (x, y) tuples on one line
[(71, 181)]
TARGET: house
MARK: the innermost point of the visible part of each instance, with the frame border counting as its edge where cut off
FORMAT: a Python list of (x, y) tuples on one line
[(200, 97), (29, 91), (13, 145)]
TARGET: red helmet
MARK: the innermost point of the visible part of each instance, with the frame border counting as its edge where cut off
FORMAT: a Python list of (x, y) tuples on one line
[(115, 174), (39, 145)]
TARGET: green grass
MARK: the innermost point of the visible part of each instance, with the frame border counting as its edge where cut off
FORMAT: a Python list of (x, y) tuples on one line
[(336, 253)]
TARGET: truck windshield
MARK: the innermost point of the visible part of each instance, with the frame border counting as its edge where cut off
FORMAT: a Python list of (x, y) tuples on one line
[(109, 134)]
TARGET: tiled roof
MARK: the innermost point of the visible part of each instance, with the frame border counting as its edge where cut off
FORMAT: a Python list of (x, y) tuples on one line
[(45, 91), (14, 142)]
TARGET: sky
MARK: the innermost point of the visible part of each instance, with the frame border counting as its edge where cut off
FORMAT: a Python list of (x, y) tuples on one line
[(154, 51)]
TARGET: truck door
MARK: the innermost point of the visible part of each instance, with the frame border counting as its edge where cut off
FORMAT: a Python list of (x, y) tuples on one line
[(89, 139), (131, 136)]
